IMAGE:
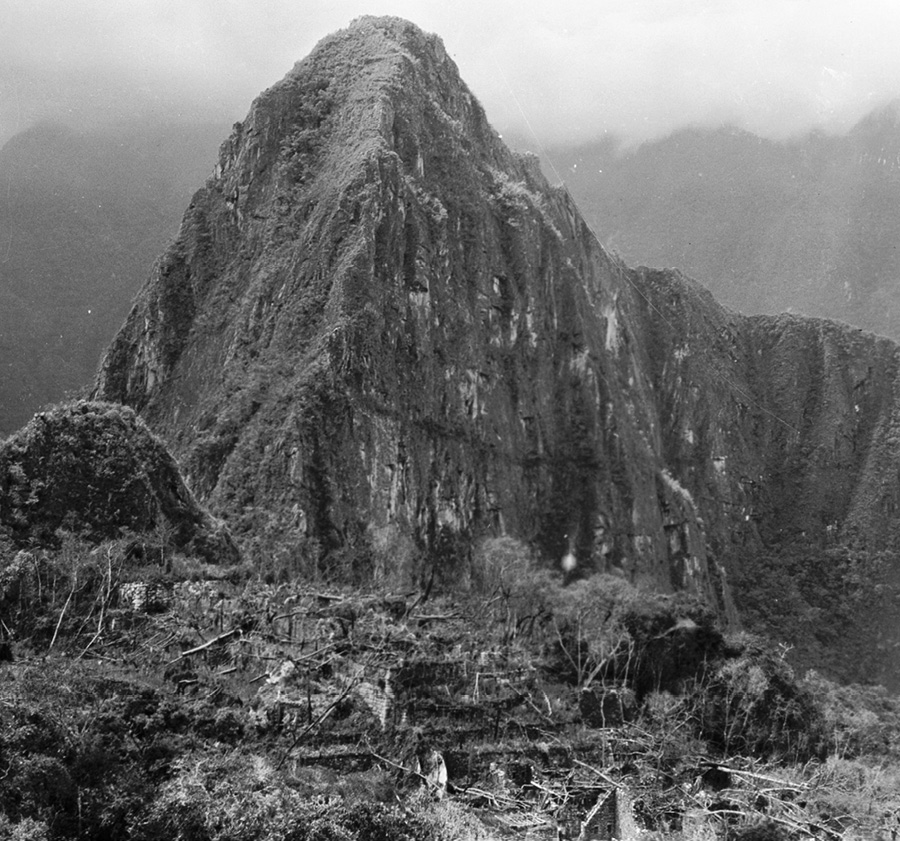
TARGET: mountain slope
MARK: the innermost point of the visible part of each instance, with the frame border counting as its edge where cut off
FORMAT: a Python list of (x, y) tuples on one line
[(380, 335), (808, 226)]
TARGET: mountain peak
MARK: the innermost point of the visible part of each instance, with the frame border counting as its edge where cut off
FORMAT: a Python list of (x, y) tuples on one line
[(360, 91), (380, 337)]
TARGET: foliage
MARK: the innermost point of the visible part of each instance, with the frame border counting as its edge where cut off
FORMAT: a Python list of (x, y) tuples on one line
[(235, 797), (811, 599), (859, 720), (26, 829), (853, 793), (751, 703), (308, 139), (48, 595), (607, 629), (86, 748), (96, 468), (499, 565), (587, 624), (93, 749)]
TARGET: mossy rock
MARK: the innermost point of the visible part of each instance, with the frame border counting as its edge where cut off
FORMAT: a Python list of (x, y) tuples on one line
[(95, 469)]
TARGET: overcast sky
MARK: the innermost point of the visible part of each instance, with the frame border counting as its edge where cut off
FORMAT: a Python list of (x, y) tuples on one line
[(566, 70)]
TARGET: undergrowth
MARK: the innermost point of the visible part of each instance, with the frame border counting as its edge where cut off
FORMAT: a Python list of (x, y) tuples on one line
[(246, 709)]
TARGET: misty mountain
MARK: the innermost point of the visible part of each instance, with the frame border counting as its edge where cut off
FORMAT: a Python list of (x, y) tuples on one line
[(380, 337), (82, 217), (498, 508), (810, 226)]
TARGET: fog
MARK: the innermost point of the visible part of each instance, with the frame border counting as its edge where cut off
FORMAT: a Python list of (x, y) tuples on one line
[(560, 72)]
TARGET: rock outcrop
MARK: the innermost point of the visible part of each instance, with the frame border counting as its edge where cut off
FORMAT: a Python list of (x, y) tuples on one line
[(95, 470), (380, 335)]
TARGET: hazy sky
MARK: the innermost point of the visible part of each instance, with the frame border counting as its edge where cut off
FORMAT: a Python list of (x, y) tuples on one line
[(575, 69)]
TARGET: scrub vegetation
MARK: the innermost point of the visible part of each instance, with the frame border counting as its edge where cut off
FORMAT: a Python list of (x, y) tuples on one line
[(149, 701)]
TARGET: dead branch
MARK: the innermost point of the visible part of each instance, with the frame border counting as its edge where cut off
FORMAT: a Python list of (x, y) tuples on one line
[(605, 777), (290, 615), (496, 798), (207, 644), (808, 828), (105, 601), (398, 766), (781, 784), (316, 723), (62, 613)]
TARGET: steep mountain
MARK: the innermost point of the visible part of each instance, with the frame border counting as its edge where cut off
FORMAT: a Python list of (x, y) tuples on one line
[(808, 226), (95, 470), (82, 217), (379, 335)]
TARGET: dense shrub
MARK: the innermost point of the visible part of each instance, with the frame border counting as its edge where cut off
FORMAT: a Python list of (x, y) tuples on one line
[(827, 603), (96, 469), (607, 629), (86, 748), (232, 797), (859, 720), (751, 703)]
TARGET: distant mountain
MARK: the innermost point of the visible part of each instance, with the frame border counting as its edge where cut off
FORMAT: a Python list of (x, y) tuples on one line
[(380, 336), (82, 217), (811, 226)]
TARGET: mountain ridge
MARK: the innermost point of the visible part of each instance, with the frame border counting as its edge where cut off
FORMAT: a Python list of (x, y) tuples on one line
[(805, 226)]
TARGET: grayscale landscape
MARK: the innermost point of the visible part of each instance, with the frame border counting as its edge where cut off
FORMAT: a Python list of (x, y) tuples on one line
[(490, 430)]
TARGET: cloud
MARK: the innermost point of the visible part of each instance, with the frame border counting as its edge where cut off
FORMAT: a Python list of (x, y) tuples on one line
[(642, 69), (562, 71)]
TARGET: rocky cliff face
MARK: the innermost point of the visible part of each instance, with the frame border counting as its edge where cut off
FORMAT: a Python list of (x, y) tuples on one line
[(380, 335)]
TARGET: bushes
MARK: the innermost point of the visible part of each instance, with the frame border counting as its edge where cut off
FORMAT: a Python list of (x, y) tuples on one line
[(859, 720), (235, 797), (853, 793), (95, 468), (84, 747), (740, 698), (90, 750), (586, 623), (752, 704), (608, 630), (25, 830)]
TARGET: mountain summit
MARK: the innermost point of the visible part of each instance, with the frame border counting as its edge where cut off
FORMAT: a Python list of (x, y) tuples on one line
[(380, 336), (380, 328)]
